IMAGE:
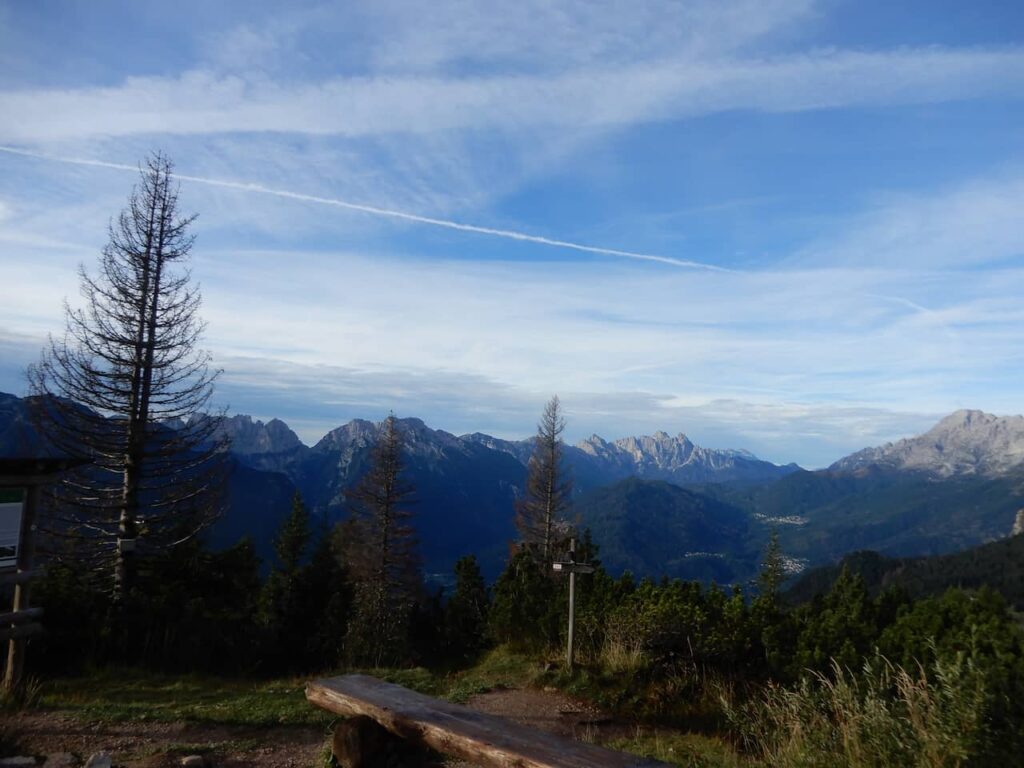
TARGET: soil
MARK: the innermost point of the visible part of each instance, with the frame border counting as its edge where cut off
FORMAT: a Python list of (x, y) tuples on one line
[(163, 745)]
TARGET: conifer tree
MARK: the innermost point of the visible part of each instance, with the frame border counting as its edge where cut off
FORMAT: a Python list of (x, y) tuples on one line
[(465, 615), (526, 611), (290, 546), (771, 624), (126, 389), (544, 507), (382, 555)]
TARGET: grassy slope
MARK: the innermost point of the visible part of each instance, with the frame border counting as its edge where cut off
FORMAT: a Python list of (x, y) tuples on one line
[(123, 696)]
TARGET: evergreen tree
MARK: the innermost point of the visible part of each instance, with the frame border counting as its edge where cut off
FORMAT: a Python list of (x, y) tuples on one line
[(770, 623), (842, 627), (544, 508), (382, 555), (526, 610), (326, 602), (281, 596), (465, 615), (773, 571)]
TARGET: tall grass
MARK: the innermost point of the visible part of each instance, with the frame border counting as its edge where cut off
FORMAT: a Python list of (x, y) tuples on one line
[(884, 716), (622, 654)]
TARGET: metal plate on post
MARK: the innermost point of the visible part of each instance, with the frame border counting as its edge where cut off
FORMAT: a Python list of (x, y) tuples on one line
[(12, 510)]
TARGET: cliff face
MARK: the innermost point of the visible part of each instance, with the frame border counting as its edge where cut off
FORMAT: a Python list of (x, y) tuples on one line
[(963, 443)]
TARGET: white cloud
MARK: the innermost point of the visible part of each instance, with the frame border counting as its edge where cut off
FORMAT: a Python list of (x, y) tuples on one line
[(974, 222), (199, 102)]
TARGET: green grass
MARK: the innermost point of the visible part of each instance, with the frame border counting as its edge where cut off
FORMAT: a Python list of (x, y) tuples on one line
[(119, 696), (130, 695), (691, 750), (499, 668), (133, 696)]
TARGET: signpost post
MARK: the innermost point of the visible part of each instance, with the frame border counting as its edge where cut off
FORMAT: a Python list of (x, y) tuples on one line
[(571, 567)]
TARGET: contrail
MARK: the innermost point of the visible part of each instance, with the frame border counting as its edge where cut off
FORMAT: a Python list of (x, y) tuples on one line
[(462, 227)]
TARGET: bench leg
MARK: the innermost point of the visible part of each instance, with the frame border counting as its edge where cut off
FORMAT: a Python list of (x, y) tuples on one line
[(360, 742)]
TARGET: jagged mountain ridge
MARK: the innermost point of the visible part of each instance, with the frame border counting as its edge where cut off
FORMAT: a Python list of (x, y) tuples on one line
[(596, 461), (966, 442), (249, 436), (467, 486)]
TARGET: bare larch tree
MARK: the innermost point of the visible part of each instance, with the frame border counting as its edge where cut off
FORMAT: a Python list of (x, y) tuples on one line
[(545, 504), (126, 388), (382, 554)]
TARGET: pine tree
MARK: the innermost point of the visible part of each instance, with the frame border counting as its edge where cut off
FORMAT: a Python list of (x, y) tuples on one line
[(773, 571), (771, 625), (465, 615), (290, 546), (527, 610), (326, 602), (542, 512), (383, 556)]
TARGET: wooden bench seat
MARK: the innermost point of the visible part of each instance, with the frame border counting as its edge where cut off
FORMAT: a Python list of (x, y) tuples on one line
[(452, 729)]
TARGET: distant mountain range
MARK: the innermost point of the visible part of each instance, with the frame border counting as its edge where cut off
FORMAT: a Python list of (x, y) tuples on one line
[(656, 504)]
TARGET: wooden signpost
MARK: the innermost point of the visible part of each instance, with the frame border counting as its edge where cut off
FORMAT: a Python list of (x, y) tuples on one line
[(571, 567), (20, 481)]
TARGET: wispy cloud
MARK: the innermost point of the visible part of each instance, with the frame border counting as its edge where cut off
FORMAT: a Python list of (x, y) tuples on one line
[(973, 222), (200, 102), (458, 208)]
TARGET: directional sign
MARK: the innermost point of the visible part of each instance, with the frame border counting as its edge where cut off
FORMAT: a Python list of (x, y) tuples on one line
[(572, 567), (12, 503)]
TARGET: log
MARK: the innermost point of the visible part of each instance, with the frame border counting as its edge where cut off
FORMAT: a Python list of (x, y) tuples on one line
[(452, 729)]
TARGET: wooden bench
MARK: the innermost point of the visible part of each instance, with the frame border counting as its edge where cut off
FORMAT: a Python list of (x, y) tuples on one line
[(452, 729)]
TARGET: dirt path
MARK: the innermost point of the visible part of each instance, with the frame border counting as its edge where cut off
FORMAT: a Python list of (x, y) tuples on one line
[(162, 745)]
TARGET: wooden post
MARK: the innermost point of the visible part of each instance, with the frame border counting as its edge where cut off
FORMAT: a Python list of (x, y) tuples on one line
[(22, 590), (572, 604)]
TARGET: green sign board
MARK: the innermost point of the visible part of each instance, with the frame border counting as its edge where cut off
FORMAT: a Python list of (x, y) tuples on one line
[(12, 501)]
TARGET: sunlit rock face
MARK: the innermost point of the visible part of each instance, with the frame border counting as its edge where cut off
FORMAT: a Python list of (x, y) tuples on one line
[(963, 443)]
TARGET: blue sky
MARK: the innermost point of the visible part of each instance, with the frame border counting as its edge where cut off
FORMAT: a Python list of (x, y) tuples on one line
[(834, 192)]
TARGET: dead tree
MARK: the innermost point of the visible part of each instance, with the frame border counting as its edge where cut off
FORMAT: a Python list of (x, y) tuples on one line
[(126, 388), (544, 508)]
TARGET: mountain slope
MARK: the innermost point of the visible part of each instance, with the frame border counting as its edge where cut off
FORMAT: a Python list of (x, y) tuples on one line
[(652, 527), (998, 564), (820, 516), (963, 443)]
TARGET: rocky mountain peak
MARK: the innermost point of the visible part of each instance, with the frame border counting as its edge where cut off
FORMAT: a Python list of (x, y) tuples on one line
[(249, 436), (1018, 523), (963, 443), (967, 420)]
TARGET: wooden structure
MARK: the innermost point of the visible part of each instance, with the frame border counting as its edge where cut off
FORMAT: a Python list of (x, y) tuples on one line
[(452, 729), (571, 567), (25, 476)]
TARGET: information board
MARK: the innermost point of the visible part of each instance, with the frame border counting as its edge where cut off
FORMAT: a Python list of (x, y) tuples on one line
[(12, 501)]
